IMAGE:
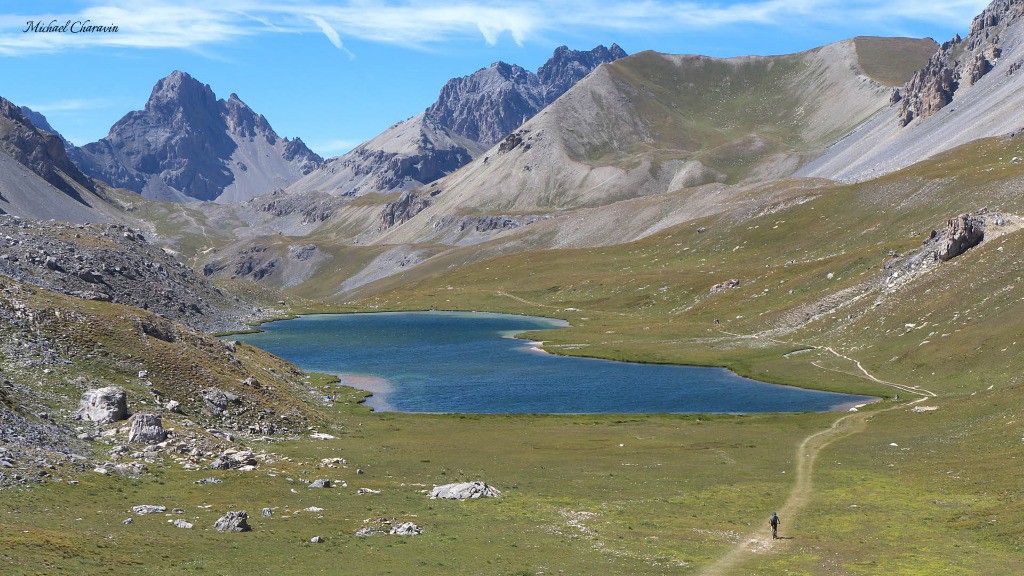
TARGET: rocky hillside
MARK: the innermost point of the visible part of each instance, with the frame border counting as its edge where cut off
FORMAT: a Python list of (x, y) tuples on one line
[(36, 177), (969, 89), (114, 263), (471, 114), (40, 122), (188, 145), (194, 393)]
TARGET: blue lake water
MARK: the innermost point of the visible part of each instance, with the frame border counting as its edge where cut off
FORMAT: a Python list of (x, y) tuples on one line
[(469, 363)]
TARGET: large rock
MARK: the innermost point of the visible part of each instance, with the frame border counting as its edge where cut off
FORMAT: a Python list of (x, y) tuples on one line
[(103, 405), (217, 401), (406, 529), (146, 429), (464, 491), (233, 522), (962, 233)]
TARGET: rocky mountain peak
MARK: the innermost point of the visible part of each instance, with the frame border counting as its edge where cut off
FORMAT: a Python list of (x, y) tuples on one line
[(243, 121), (492, 102), (567, 67), (960, 62), (178, 90), (186, 144)]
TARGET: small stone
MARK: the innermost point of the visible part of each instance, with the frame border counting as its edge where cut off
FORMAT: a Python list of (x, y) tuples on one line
[(320, 483), (127, 521), (182, 523), (210, 480), (267, 512), (316, 539), (143, 509)]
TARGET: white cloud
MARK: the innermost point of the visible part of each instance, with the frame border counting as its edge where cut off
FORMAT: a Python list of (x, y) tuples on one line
[(70, 105), (331, 34), (333, 147), (192, 24)]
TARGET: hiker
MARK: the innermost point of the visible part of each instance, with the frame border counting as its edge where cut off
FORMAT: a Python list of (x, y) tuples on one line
[(774, 522)]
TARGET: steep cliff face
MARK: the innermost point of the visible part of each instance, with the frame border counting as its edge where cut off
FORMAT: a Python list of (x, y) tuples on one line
[(959, 62), (471, 114), (188, 145), (41, 151)]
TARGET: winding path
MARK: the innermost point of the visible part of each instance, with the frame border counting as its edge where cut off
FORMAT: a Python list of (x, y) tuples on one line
[(806, 454)]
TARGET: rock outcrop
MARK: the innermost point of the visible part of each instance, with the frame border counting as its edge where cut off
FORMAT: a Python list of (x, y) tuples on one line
[(103, 405), (406, 529), (961, 61), (464, 491), (233, 522), (188, 145), (408, 205), (961, 234)]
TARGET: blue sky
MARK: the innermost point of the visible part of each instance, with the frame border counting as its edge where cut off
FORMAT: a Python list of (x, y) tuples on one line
[(337, 73)]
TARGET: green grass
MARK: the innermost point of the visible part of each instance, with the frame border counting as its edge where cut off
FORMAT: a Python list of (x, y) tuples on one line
[(892, 61), (663, 491)]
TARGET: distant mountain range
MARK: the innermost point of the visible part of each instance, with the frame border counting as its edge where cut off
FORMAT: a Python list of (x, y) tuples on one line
[(471, 114)]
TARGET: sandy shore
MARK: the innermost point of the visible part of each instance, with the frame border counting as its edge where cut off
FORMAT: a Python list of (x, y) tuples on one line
[(379, 388)]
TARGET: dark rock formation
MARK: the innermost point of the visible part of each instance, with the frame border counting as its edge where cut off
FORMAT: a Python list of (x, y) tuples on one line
[(401, 210), (567, 67), (959, 62), (181, 145), (39, 150), (962, 233), (40, 122)]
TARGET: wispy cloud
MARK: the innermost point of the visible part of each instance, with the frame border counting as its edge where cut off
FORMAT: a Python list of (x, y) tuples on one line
[(71, 105), (333, 147), (193, 24)]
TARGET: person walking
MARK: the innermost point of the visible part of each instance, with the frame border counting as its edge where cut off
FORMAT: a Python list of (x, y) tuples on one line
[(774, 522)]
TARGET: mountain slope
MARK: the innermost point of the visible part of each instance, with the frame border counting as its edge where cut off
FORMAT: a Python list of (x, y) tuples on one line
[(652, 123), (37, 179), (188, 145), (471, 114), (969, 89)]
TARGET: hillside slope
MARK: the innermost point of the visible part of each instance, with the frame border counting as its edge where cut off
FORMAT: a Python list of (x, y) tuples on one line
[(653, 123), (970, 89), (471, 114)]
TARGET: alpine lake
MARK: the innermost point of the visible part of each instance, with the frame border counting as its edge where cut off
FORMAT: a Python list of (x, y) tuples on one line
[(471, 362)]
